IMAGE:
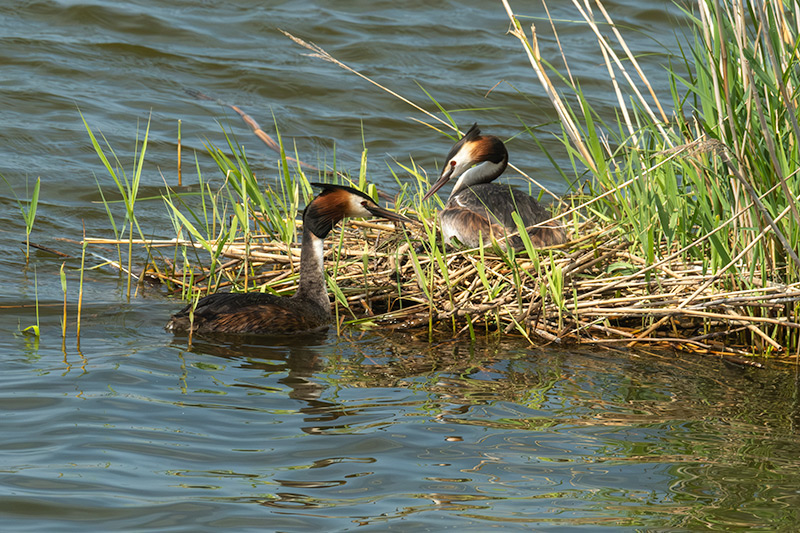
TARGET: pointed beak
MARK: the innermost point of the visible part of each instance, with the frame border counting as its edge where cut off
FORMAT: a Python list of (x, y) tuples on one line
[(444, 178), (385, 213)]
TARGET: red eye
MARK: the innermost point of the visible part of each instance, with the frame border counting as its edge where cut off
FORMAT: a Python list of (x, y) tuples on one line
[(452, 163)]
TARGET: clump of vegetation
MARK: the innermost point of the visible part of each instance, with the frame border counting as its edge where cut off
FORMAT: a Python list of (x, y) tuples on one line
[(684, 236), (701, 201)]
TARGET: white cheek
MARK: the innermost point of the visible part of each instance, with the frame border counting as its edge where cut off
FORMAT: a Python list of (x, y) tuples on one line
[(463, 161), (467, 171), (357, 209)]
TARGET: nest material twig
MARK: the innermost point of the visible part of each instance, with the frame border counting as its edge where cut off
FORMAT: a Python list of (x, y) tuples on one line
[(656, 306)]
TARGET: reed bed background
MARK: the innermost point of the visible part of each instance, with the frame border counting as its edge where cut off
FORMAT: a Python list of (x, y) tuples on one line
[(683, 234)]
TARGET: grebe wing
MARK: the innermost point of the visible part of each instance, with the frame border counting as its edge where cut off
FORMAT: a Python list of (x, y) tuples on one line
[(465, 224), (497, 202), (501, 201), (532, 212)]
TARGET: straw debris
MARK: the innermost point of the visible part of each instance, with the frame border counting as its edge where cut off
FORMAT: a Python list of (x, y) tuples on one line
[(609, 296)]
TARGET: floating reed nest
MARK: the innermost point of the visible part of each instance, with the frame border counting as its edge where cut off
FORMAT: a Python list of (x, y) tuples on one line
[(592, 290)]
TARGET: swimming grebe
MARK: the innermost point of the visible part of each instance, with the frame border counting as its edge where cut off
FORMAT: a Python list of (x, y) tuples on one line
[(477, 206), (310, 307)]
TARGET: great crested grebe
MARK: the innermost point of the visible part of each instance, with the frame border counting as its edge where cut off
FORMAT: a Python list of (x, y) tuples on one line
[(476, 206), (309, 308)]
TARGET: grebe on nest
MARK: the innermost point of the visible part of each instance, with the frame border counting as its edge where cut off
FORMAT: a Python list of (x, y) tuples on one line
[(310, 307), (476, 206)]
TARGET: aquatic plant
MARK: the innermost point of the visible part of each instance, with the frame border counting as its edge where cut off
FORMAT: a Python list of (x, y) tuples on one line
[(684, 235), (34, 328), (128, 189), (28, 212)]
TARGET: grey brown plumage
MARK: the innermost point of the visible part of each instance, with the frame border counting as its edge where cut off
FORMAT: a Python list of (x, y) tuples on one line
[(477, 208), (252, 312), (309, 309)]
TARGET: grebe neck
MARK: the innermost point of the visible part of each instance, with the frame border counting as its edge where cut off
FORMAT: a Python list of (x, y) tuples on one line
[(484, 172), (312, 285)]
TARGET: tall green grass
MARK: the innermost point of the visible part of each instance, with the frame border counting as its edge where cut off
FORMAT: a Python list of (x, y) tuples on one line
[(727, 154), (714, 181), (238, 209), (127, 187)]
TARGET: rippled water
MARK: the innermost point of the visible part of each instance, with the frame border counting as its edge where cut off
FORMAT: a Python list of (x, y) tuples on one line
[(134, 431), (371, 433)]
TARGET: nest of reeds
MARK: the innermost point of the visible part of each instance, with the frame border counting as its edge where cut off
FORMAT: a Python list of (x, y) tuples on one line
[(723, 186), (592, 290)]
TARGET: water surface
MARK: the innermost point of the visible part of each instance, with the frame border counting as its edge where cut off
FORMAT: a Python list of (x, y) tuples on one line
[(134, 430)]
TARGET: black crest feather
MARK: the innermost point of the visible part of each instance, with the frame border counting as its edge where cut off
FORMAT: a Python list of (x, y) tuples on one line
[(329, 207)]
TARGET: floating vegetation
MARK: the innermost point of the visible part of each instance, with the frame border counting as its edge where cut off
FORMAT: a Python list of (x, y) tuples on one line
[(592, 290), (684, 235)]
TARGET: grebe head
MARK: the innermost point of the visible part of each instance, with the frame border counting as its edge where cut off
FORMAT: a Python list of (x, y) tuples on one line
[(336, 202), (474, 159)]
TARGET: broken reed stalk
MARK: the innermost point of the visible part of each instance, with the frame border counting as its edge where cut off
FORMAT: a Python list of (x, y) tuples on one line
[(255, 127)]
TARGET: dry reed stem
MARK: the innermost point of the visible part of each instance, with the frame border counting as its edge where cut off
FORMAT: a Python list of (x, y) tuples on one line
[(609, 52), (532, 51), (599, 306), (320, 53), (632, 58)]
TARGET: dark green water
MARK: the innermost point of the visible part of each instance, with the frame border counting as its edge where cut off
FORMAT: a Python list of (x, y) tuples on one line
[(133, 431)]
